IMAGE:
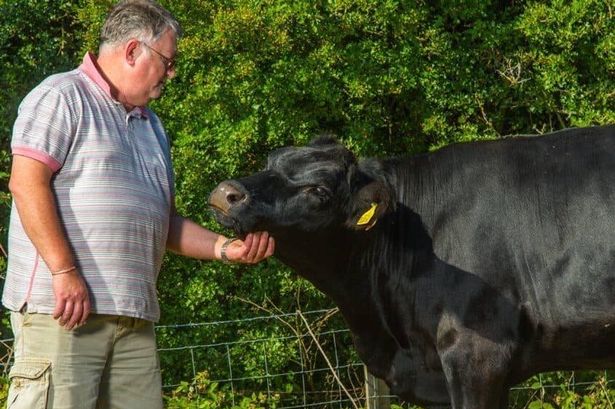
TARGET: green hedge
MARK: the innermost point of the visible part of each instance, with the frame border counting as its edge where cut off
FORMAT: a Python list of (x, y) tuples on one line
[(386, 76)]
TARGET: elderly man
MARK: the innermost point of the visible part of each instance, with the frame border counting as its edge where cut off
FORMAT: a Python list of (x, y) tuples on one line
[(93, 213)]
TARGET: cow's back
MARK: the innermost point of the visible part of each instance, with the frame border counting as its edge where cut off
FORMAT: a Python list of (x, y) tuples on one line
[(532, 216)]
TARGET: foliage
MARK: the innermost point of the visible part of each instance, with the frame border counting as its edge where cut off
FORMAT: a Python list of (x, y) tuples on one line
[(581, 390), (4, 390), (202, 393), (387, 77)]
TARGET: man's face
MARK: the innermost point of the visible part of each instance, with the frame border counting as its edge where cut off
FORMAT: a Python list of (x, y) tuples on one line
[(155, 66)]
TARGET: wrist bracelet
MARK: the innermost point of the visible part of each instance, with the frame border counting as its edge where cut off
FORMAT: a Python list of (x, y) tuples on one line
[(64, 271), (225, 245)]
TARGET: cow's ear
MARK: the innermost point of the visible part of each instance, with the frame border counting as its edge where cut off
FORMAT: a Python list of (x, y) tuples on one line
[(370, 201)]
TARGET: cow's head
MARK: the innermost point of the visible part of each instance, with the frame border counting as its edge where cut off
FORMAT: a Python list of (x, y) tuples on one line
[(305, 189)]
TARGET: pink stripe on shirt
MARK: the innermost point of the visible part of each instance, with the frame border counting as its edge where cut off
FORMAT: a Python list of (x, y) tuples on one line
[(53, 164)]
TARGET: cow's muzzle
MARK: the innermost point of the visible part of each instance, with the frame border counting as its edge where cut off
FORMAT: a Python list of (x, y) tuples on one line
[(227, 195)]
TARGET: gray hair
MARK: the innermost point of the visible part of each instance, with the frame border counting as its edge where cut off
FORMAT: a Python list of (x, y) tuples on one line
[(145, 20)]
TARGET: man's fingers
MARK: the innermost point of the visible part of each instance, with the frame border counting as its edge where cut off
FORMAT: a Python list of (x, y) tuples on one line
[(247, 241), (270, 247), (68, 312), (263, 245), (255, 249), (250, 243), (86, 311), (59, 309), (75, 316)]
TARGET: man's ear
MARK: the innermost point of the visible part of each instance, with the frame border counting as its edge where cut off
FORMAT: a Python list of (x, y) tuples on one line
[(132, 49), (372, 200)]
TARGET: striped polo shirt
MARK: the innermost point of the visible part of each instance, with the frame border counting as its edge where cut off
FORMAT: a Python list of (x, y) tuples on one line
[(113, 183)]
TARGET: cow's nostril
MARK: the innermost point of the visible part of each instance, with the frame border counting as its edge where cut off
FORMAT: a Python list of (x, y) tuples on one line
[(232, 194), (234, 197)]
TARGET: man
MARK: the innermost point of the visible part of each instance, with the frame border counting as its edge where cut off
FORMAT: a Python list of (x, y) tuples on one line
[(92, 215)]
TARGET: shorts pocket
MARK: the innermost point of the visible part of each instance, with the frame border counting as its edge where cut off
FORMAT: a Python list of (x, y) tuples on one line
[(29, 384)]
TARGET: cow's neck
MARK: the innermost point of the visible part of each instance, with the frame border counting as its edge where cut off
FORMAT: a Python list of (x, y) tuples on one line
[(333, 266), (350, 275)]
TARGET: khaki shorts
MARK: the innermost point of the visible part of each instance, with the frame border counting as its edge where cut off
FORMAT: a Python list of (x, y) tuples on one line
[(111, 362)]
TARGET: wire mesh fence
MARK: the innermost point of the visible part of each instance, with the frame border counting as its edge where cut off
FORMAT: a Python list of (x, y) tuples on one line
[(306, 360), (298, 360), (320, 368)]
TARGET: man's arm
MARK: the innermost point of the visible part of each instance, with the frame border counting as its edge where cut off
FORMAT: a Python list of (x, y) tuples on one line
[(190, 239), (30, 186)]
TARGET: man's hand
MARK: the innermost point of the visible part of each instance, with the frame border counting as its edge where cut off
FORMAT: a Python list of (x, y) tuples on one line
[(72, 300), (256, 247)]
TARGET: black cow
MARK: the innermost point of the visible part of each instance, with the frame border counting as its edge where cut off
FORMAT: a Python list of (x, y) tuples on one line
[(459, 272)]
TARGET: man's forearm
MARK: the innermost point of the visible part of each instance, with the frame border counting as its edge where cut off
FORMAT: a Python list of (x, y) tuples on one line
[(190, 239)]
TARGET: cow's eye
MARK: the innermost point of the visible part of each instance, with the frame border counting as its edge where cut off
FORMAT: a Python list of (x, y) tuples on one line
[(321, 192)]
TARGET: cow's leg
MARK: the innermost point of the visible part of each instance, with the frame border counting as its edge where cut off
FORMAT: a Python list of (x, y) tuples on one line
[(476, 371), (474, 392)]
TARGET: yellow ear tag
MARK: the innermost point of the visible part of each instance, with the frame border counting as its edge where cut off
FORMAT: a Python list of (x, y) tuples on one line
[(367, 216)]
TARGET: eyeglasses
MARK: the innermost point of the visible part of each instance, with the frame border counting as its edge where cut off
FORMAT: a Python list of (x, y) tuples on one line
[(169, 63)]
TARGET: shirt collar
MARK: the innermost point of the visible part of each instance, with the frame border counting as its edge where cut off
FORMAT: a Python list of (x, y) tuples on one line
[(90, 67)]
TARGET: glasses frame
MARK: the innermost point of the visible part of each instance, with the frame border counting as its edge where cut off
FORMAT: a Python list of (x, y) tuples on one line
[(169, 63)]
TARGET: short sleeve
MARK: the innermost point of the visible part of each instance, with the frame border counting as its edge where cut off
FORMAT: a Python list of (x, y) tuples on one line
[(44, 128)]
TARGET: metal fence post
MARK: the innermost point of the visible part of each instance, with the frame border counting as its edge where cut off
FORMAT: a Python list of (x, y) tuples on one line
[(376, 391)]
